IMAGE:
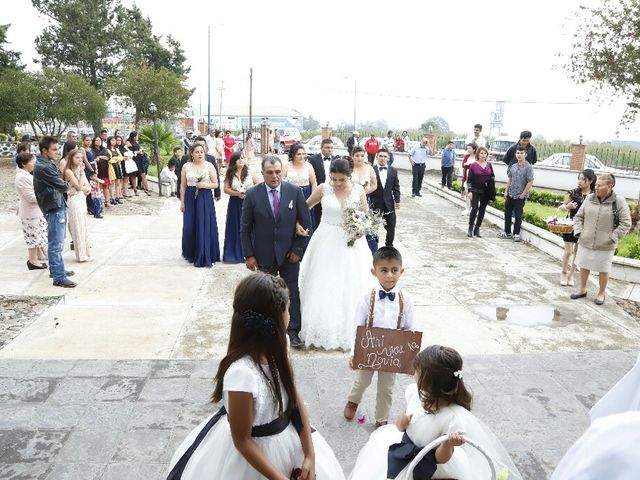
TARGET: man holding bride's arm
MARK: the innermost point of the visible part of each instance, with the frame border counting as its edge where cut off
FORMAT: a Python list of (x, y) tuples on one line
[(270, 212)]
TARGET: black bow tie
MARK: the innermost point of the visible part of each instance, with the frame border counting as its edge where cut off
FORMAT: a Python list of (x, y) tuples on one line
[(382, 168), (327, 159), (382, 294)]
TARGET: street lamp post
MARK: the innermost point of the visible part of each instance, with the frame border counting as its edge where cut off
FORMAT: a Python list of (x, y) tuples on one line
[(153, 110)]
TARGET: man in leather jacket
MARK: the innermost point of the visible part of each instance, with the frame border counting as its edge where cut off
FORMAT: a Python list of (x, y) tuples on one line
[(49, 187)]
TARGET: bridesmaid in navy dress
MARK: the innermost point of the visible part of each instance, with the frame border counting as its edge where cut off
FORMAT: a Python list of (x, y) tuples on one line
[(200, 244), (237, 181), (301, 173)]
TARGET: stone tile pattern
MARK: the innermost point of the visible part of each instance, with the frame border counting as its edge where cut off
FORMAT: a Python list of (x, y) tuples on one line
[(99, 420)]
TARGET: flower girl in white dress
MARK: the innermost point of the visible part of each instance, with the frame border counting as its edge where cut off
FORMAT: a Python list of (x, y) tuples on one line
[(262, 431), (437, 404)]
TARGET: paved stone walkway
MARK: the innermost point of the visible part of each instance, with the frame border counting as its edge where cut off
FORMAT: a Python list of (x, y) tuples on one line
[(143, 332), (120, 420)]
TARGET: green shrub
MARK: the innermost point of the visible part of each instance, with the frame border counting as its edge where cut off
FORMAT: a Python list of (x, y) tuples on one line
[(4, 137)]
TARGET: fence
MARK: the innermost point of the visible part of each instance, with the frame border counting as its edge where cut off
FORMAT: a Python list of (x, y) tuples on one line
[(623, 158)]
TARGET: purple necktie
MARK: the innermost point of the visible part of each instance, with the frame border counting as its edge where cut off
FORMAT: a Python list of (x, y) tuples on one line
[(276, 203)]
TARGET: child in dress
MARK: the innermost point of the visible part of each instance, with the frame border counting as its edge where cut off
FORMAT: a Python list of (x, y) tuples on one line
[(437, 404), (262, 430), (96, 195), (392, 308)]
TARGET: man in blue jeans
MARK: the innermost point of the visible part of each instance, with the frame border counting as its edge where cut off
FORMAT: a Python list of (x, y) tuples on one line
[(49, 187), (418, 158), (520, 182)]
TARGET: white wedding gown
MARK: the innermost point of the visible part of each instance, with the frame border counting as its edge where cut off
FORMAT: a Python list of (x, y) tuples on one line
[(333, 276)]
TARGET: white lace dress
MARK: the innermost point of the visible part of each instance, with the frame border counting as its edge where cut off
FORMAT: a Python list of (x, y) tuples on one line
[(465, 464), (333, 276), (216, 457)]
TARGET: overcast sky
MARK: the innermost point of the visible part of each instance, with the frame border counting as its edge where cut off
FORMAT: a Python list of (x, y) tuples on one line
[(411, 60)]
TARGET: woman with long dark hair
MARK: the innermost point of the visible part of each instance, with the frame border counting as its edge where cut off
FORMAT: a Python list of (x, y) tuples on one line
[(102, 157), (572, 202), (142, 162), (115, 165), (237, 181), (301, 173), (481, 190), (262, 430), (200, 244)]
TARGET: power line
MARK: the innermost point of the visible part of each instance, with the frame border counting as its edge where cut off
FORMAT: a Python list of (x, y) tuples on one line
[(466, 100)]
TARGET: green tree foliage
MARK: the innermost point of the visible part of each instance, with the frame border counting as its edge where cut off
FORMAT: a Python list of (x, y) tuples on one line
[(606, 52), (437, 124), (166, 139), (50, 100), (142, 85), (82, 36), (16, 90), (8, 58), (145, 47)]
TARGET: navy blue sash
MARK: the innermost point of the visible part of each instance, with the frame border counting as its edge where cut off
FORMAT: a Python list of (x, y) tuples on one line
[(401, 454), (268, 429)]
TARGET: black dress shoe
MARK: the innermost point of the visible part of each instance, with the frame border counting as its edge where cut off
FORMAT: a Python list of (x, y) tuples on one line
[(476, 232), (65, 283), (295, 341), (418, 194), (470, 232), (575, 296), (67, 273), (31, 266)]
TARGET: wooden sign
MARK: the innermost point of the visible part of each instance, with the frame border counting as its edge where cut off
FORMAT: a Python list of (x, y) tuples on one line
[(386, 349)]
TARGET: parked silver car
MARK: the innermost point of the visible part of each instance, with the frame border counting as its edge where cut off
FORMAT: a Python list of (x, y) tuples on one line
[(563, 160)]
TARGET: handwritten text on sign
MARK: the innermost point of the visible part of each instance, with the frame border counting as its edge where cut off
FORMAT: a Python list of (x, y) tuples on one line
[(386, 349)]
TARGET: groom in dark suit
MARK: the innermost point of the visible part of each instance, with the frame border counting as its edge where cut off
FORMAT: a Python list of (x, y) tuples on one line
[(386, 198), (268, 234), (320, 163)]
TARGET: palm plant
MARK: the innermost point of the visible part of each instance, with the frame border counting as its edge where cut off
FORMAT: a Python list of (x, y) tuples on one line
[(166, 139)]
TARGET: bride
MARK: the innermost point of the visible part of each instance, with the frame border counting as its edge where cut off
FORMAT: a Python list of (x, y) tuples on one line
[(333, 275)]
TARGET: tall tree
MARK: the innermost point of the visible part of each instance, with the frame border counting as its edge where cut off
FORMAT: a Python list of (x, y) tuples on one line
[(82, 36), (437, 124), (16, 91), (62, 98), (142, 46), (8, 58), (142, 85), (606, 52)]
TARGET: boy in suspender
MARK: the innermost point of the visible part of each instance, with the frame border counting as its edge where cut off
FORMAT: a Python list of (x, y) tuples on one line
[(386, 306)]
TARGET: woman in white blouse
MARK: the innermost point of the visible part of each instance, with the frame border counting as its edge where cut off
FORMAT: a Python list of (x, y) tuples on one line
[(34, 225)]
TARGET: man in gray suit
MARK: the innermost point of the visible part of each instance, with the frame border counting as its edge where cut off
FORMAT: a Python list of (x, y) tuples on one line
[(268, 233)]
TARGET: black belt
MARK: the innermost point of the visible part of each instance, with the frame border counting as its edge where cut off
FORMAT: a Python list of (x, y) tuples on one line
[(268, 429)]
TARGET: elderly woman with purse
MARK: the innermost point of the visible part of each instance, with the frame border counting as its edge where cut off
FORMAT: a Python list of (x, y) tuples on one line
[(34, 225), (602, 220)]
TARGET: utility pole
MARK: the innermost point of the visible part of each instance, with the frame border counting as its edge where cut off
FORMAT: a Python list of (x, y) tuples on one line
[(208, 79), (250, 98), (355, 96), (220, 112)]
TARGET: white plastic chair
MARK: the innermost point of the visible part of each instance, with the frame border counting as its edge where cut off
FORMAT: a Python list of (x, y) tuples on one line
[(440, 440)]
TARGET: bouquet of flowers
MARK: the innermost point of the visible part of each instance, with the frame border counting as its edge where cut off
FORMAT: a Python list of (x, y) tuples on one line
[(199, 179), (357, 223)]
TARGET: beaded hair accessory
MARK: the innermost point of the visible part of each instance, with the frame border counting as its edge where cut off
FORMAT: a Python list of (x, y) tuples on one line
[(258, 323), (458, 374)]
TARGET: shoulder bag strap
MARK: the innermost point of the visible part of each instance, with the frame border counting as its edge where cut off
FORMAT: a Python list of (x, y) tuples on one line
[(401, 312), (616, 214), (372, 303)]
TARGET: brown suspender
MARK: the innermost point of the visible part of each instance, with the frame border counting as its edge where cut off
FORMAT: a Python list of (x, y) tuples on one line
[(372, 303)]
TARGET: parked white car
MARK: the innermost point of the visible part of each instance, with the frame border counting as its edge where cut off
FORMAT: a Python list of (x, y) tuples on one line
[(312, 146), (563, 160)]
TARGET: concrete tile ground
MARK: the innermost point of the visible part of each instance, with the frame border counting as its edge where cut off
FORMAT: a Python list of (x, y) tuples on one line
[(149, 329), (115, 420)]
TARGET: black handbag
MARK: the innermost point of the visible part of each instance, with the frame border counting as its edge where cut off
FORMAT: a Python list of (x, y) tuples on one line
[(490, 189)]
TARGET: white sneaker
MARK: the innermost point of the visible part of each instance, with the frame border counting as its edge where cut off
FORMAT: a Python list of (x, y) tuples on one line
[(516, 238)]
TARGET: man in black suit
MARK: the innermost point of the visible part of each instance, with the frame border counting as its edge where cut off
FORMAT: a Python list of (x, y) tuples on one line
[(386, 198), (268, 234), (217, 193), (321, 163)]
